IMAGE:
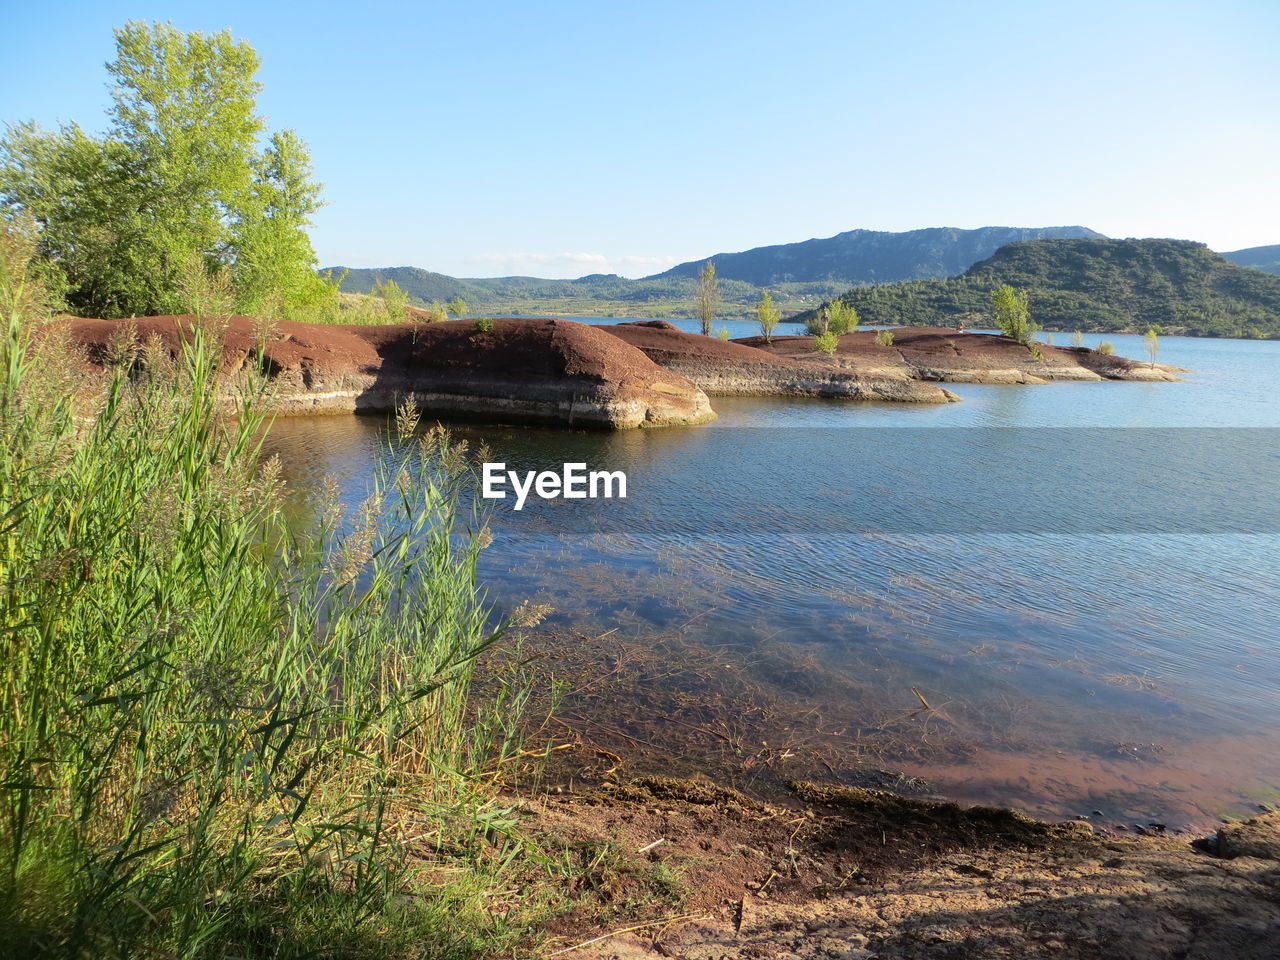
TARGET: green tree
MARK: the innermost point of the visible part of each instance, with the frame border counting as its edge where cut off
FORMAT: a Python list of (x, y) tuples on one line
[(274, 262), (707, 296), (1012, 316), (394, 300), (458, 307), (180, 175), (842, 318), (1152, 341), (768, 316), (837, 317)]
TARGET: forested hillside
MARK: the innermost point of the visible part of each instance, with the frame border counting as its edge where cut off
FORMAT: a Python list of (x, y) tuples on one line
[(1094, 285)]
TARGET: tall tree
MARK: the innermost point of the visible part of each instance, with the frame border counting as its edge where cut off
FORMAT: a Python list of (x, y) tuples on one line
[(178, 182), (707, 296), (274, 261)]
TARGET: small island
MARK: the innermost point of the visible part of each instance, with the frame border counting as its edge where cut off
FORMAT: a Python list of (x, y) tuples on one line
[(610, 376)]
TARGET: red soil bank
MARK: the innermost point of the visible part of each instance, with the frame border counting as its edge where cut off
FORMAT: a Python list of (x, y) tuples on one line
[(939, 353), (541, 370)]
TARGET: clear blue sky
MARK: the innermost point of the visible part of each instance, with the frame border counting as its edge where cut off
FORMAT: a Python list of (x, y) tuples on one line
[(562, 138)]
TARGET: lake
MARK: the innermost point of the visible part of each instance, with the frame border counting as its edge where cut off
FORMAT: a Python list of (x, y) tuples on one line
[(1081, 581)]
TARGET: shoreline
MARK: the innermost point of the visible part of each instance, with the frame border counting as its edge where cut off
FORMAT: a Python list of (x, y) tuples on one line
[(704, 872), (561, 372)]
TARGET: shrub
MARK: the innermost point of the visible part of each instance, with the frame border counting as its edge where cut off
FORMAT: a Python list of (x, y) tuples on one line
[(842, 318), (826, 342), (1077, 339), (394, 300), (1106, 348), (723, 333), (484, 324), (884, 338), (835, 317)]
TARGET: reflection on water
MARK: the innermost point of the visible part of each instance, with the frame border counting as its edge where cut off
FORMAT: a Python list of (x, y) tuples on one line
[(1134, 674)]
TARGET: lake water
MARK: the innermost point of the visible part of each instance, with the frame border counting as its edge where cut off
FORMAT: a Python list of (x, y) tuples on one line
[(1082, 580)]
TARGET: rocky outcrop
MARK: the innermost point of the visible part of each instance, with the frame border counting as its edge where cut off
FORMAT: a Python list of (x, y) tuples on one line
[(944, 355), (726, 368), (526, 370), (1257, 837)]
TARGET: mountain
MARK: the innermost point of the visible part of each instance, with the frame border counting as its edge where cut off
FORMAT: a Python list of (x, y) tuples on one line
[(870, 256), (1094, 284), (604, 294), (799, 275), (1263, 258)]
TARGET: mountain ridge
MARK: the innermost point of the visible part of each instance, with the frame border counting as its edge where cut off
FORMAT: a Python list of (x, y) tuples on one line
[(871, 256), (1260, 258), (817, 270)]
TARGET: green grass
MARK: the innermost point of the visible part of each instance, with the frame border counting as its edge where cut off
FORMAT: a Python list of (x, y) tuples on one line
[(220, 735)]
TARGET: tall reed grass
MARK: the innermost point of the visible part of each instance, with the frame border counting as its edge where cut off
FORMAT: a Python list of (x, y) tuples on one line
[(220, 736)]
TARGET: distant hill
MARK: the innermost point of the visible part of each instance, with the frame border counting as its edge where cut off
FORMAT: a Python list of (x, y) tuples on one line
[(799, 275), (1094, 284), (418, 283), (604, 294), (1263, 258), (870, 256)]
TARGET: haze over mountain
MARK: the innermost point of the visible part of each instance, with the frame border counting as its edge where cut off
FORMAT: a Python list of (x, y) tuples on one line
[(1263, 258), (1096, 285), (870, 256)]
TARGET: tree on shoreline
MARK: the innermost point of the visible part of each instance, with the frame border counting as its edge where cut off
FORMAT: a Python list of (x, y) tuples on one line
[(768, 316), (707, 297), (1012, 316), (179, 178), (836, 317)]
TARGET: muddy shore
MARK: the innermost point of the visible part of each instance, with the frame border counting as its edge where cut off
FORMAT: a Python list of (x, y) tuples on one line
[(689, 869), (719, 818)]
